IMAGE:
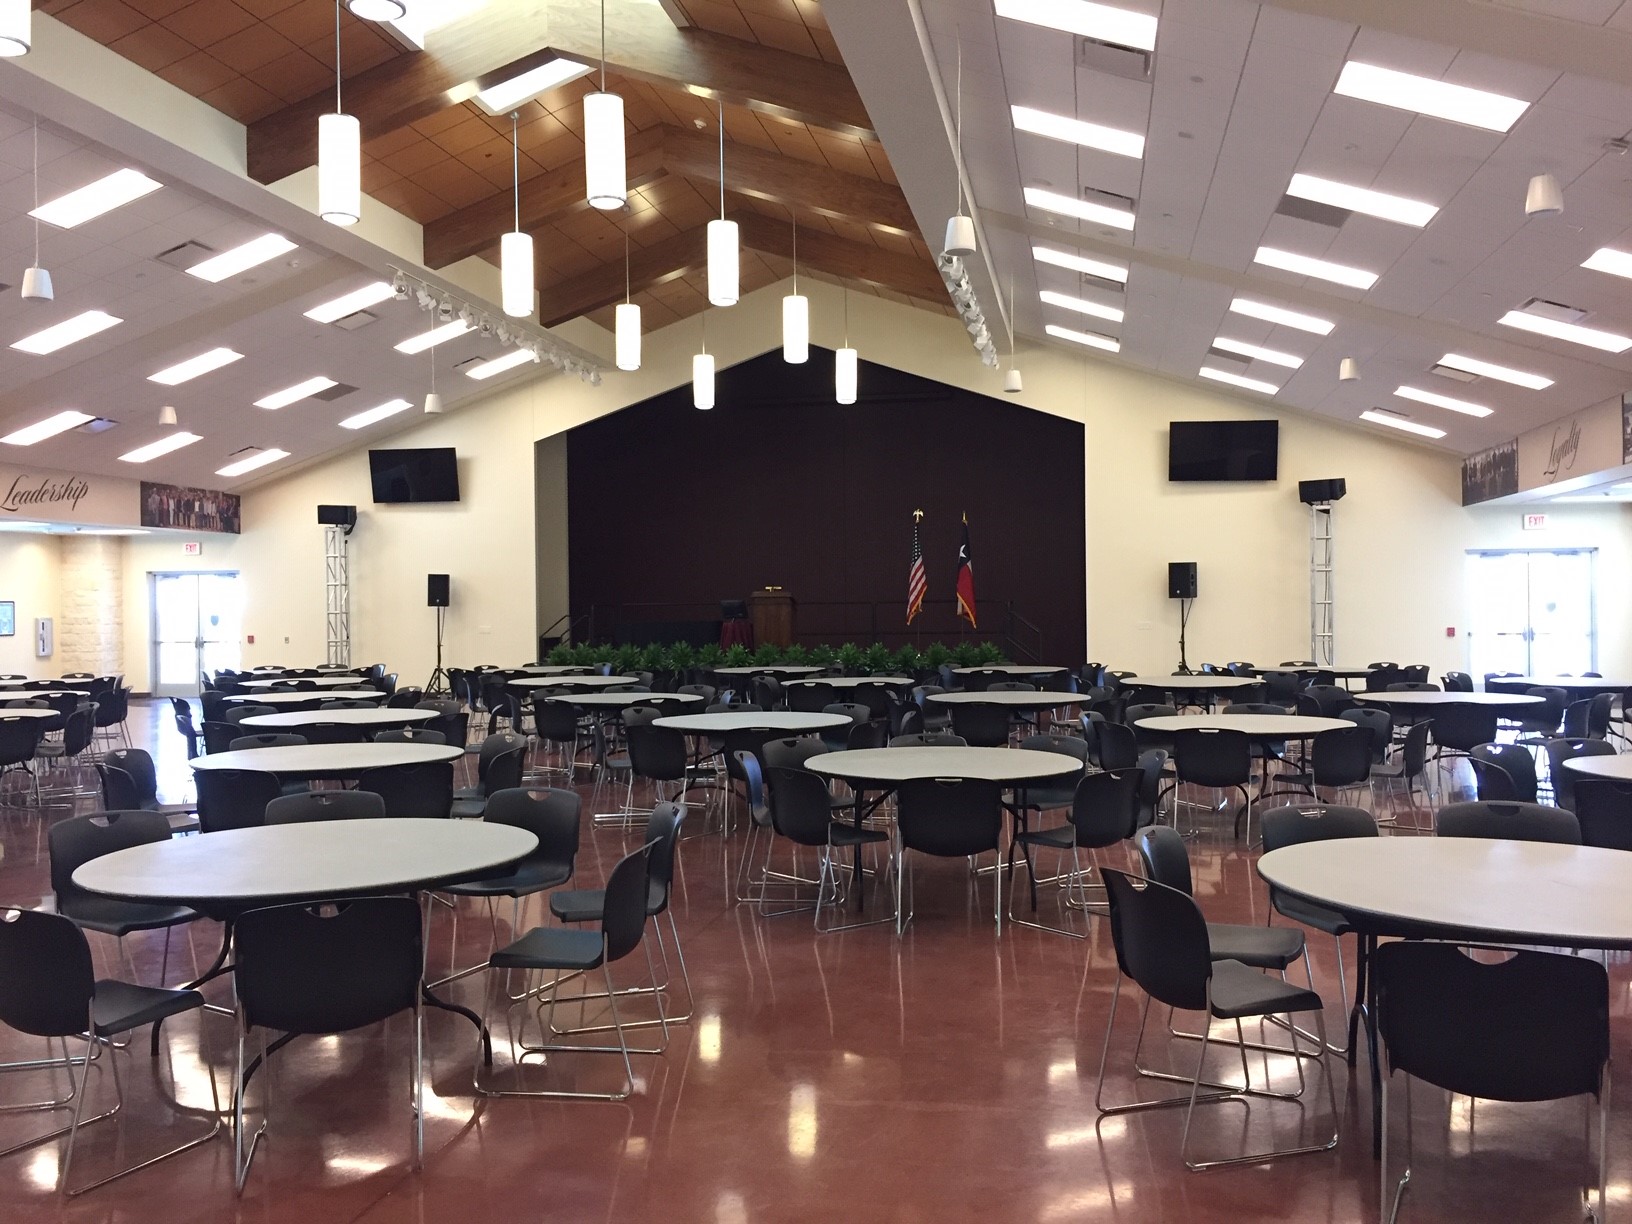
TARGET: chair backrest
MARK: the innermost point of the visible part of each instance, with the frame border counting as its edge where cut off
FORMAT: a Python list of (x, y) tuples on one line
[(810, 697), (1160, 939), (79, 839), (1532, 1027), (625, 904), (325, 805), (799, 805), (1333, 698), (244, 743), (1550, 712), (855, 711), (328, 968), (1206, 756), (46, 978), (1282, 685), (1164, 857), (949, 817), (1379, 722), (410, 735), (1577, 720), (234, 798), (555, 721), (1341, 757), (550, 814), (1504, 771), (119, 791), (1457, 682), (235, 714), (663, 839), (504, 770), (139, 766), (1151, 764), (1118, 746), (1603, 809), (1598, 712), (1066, 745), (412, 792), (1413, 686), (791, 753), (867, 735), (1296, 823), (405, 698), (1105, 807), (753, 781), (1563, 780), (983, 726), (1509, 821), (657, 752), (218, 735), (1459, 727)]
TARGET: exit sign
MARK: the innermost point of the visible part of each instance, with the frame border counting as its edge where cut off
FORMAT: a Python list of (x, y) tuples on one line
[(1535, 522), (195, 548)]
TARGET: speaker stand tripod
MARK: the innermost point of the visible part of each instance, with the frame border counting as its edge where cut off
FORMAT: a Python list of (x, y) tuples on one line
[(437, 685), (1184, 619)]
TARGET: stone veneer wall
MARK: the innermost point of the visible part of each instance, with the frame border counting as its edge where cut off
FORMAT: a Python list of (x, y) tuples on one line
[(91, 616)]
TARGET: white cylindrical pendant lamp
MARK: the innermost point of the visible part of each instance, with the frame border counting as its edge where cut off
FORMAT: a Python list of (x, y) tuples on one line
[(16, 34), (626, 335), (1348, 370), (433, 404), (516, 274), (1544, 197), (1012, 382), (960, 235), (606, 183), (722, 262), (702, 381), (844, 375), (339, 169), (36, 285), (796, 329)]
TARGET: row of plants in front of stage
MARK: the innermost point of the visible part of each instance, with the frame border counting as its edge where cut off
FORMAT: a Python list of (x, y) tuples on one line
[(877, 659)]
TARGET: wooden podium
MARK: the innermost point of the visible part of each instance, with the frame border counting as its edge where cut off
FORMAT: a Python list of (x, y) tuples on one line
[(770, 609)]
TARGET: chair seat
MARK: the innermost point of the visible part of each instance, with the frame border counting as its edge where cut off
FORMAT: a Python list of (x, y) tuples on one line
[(1240, 991), (840, 834), (121, 1006), (1262, 947), (527, 878), (1049, 798), (468, 809), (550, 948), (469, 792), (183, 822), (585, 904), (1061, 837), (110, 916)]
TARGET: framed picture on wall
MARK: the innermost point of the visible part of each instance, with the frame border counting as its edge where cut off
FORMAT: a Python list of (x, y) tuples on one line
[(8, 618)]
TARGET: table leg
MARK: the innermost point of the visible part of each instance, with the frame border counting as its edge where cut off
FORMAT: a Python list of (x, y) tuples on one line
[(443, 1005)]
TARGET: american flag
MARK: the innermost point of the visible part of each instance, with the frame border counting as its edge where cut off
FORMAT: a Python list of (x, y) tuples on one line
[(917, 583)]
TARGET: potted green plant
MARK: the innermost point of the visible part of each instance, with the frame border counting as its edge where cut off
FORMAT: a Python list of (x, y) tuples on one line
[(876, 658), (849, 657), (991, 652), (683, 657), (795, 655), (560, 655), (737, 656), (937, 656), (767, 653), (966, 654), (599, 655), (821, 655), (907, 661), (711, 656)]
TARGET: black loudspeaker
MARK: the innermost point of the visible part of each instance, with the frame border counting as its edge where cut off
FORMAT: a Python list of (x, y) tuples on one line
[(1181, 579), (337, 516), (1317, 492), (436, 590)]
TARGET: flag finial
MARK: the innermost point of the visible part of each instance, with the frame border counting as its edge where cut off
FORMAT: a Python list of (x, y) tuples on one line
[(917, 516)]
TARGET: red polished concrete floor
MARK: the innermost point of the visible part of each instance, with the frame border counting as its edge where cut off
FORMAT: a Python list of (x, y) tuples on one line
[(946, 1075)]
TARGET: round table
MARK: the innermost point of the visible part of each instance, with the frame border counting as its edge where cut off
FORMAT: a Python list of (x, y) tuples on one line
[(556, 669), (321, 682), (1018, 699), (872, 768), (772, 722), (1438, 699), (1187, 684), (40, 694), (772, 669), (1275, 727), (1576, 686), (58, 686), (622, 701), (10, 713), (1306, 669), (854, 682), (572, 682), (327, 760), (1616, 768), (277, 699), (377, 719), (1018, 670)]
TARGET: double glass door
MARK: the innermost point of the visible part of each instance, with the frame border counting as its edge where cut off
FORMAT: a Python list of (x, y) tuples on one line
[(1531, 612), (197, 623)]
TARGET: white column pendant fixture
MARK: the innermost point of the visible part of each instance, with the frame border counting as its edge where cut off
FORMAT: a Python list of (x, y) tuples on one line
[(1013, 383), (377, 10), (796, 314), (723, 267), (845, 362), (36, 280), (1544, 197), (16, 32), (1348, 370), (339, 155), (960, 227), (516, 247), (606, 176), (167, 415), (702, 374), (626, 322), (433, 401)]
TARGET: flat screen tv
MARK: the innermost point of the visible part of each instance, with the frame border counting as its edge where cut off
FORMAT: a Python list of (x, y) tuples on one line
[(428, 474), (1223, 450)]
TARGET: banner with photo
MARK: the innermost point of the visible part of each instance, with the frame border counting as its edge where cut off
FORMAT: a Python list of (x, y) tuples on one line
[(191, 509)]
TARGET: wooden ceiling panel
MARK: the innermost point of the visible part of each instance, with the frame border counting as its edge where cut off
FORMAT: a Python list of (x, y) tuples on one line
[(788, 25)]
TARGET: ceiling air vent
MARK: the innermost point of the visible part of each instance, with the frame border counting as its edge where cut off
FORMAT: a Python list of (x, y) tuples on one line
[(1445, 371), (1120, 61), (1109, 199), (1556, 311), (1311, 210), (355, 320), (97, 425), (1234, 362), (338, 391), (186, 255), (468, 362), (1390, 412)]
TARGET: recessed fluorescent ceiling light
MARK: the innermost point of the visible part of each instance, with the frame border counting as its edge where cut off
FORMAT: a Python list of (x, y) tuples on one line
[(500, 364), (1236, 380), (1608, 259), (351, 303), (1393, 422), (1466, 407), (1096, 21), (48, 428), (69, 331), (162, 447), (1274, 356), (296, 393), (1608, 342), (1078, 131), (1091, 339), (1342, 274), (504, 97), (1426, 96), (193, 367), (1361, 200), (259, 460), (1473, 365), (94, 199), (1083, 210), (1081, 305), (364, 419), (432, 338), (1287, 318), (1076, 263), (241, 258)]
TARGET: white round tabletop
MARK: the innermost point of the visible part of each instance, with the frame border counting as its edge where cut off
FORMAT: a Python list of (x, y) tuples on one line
[(1526, 892), (1439, 699), (851, 682), (1308, 669), (6, 712), (771, 669), (58, 686), (327, 760), (1188, 684), (1259, 726), (319, 681), (622, 701), (889, 766), (1019, 699), (556, 669), (1011, 669), (40, 694), (572, 682), (771, 721), (322, 858), (375, 717), (1617, 768), (277, 699), (1577, 686)]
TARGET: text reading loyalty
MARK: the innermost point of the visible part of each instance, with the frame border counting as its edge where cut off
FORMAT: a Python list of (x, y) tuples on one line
[(23, 492)]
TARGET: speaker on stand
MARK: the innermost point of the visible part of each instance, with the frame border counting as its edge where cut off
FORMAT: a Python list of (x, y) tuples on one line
[(437, 596), (1181, 585)]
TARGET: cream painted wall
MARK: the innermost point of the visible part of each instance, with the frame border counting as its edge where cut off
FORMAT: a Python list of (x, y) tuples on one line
[(28, 577)]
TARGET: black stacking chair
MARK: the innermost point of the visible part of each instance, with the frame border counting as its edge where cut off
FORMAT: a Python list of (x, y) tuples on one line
[(811, 698), (1104, 812), (1458, 729), (949, 819), (1504, 772), (245, 743), (1219, 760), (982, 726), (1118, 747), (410, 735), (234, 798), (929, 739), (412, 792), (308, 806), (500, 764), (801, 811), (1509, 821), (1563, 781), (1603, 809)]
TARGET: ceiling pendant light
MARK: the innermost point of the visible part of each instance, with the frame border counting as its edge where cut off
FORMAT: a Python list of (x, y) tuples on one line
[(1348, 370), (378, 10), (960, 229), (1544, 197), (167, 415), (844, 362), (702, 374), (1013, 384), (606, 178), (433, 401), (36, 280), (516, 248), (15, 34), (795, 314), (339, 155), (626, 322), (722, 242)]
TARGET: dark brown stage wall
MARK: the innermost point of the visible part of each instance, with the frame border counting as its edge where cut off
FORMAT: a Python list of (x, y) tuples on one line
[(672, 510)]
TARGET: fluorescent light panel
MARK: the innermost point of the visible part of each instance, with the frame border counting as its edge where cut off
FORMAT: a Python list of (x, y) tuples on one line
[(1096, 21), (1078, 132), (1274, 356), (499, 365), (1401, 90), (1472, 365), (296, 393), (1082, 210), (259, 460), (1382, 418), (162, 447), (351, 303), (1608, 342), (1608, 259), (94, 199), (364, 419), (1321, 269), (251, 254), (1236, 380), (1081, 305), (1361, 200), (504, 97), (62, 422), (1286, 318), (1465, 407), (69, 331), (1091, 339), (432, 338), (194, 367), (1076, 263)]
